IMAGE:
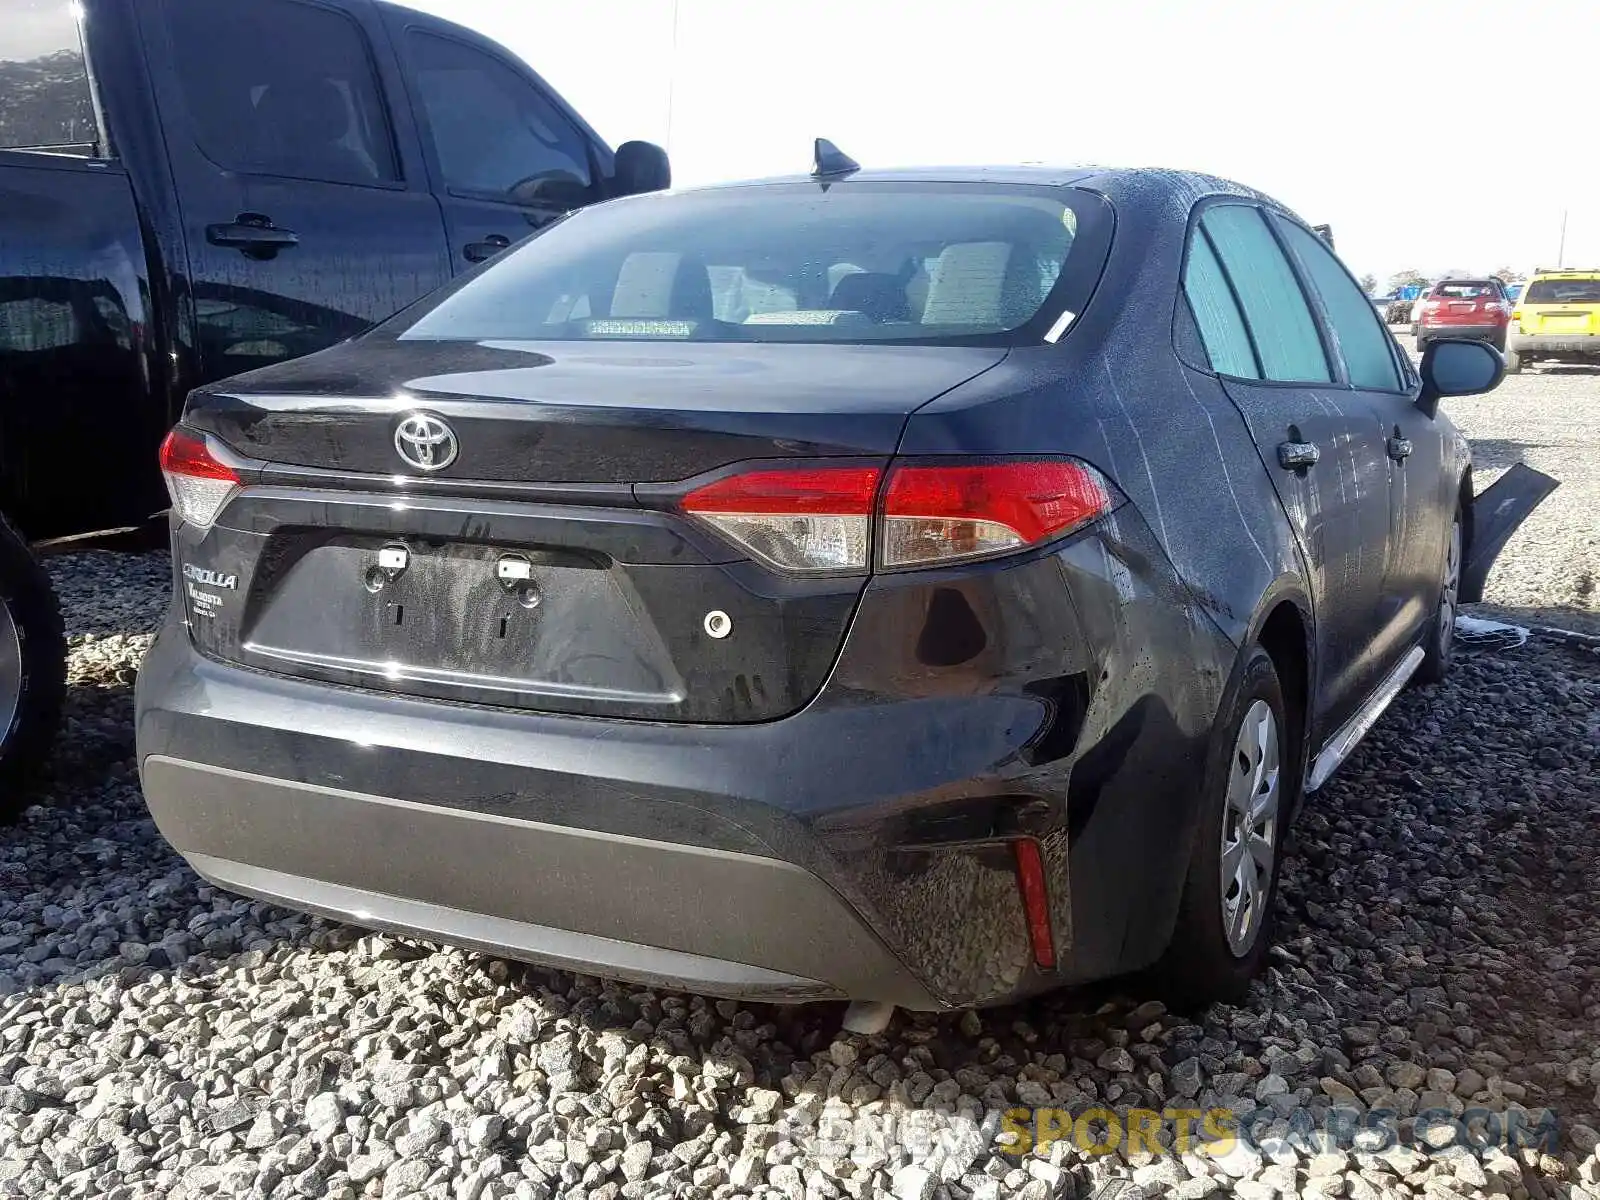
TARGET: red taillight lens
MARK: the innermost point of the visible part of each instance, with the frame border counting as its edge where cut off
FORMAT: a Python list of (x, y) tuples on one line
[(821, 518), (807, 519), (934, 514), (198, 484), (1035, 900)]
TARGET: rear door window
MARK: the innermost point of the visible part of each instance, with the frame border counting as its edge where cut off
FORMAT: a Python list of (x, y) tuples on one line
[(45, 99), (1280, 320), (1216, 312), (496, 136), (1563, 291), (1366, 348), (282, 88)]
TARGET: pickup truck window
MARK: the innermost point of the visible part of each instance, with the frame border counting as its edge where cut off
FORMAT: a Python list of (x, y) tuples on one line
[(495, 136), (45, 102), (277, 87)]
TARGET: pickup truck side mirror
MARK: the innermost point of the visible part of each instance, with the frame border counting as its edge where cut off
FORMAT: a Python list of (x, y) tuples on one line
[(1454, 367), (640, 167)]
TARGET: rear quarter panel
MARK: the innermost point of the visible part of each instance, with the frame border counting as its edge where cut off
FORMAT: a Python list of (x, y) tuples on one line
[(1114, 393)]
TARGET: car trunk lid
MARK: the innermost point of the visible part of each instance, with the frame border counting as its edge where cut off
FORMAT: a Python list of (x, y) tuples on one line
[(575, 413), (527, 571)]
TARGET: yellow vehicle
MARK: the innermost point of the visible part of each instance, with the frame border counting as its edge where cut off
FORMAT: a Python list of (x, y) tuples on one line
[(1557, 319)]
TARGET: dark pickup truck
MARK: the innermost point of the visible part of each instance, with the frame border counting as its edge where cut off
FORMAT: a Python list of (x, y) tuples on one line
[(194, 188)]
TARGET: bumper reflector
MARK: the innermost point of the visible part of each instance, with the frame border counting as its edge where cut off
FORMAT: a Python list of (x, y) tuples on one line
[(1035, 900)]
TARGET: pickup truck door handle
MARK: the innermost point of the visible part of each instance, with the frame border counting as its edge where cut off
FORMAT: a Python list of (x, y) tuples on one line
[(252, 234), (486, 249), (1297, 456)]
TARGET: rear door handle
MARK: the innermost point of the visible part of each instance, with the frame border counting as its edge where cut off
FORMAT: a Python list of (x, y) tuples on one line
[(486, 249), (1297, 456), (1399, 448), (252, 234)]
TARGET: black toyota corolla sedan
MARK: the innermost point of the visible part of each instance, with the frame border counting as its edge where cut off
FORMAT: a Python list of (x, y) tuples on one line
[(921, 587)]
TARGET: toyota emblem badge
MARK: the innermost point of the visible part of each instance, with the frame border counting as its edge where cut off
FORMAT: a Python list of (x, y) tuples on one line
[(426, 442)]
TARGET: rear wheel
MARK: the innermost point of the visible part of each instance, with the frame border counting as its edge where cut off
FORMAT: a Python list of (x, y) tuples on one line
[(1250, 785), (1513, 363), (33, 667), (1439, 648), (1422, 343)]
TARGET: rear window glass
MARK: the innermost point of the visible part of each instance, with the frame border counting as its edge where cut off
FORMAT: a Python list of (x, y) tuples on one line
[(1563, 291), (1466, 291), (791, 262), (44, 83)]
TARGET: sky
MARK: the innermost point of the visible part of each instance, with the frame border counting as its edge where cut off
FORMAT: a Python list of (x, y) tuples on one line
[(1431, 134)]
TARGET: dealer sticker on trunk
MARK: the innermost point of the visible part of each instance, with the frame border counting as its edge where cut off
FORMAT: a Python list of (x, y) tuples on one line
[(196, 579)]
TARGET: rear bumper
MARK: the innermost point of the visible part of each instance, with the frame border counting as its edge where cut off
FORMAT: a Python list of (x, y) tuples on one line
[(1586, 345), (860, 848), (526, 889), (1478, 333)]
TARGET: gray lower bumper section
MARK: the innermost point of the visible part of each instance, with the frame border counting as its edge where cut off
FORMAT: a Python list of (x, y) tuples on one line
[(658, 913)]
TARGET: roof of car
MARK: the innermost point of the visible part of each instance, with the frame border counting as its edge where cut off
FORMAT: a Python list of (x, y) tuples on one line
[(1038, 174)]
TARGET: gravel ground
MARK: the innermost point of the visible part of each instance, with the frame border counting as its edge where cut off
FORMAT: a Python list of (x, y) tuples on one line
[(1439, 949), (1549, 419)]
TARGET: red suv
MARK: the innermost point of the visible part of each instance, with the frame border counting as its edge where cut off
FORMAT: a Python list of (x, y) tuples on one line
[(1464, 308)]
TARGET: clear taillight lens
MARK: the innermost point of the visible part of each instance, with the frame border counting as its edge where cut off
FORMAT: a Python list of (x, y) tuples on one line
[(937, 514), (198, 484), (821, 518), (810, 519)]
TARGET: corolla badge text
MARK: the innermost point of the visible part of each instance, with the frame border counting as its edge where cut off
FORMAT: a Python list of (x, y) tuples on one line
[(209, 578)]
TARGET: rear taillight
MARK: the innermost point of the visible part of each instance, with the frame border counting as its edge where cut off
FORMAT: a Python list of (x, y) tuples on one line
[(822, 518), (811, 519), (935, 514), (198, 484)]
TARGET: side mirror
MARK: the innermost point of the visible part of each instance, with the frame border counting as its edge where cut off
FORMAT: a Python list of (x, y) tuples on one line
[(640, 167), (1452, 367)]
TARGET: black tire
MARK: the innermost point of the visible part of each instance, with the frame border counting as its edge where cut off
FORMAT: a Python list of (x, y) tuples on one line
[(1422, 343), (1500, 341), (33, 669), (1513, 363), (1438, 648), (1202, 965)]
